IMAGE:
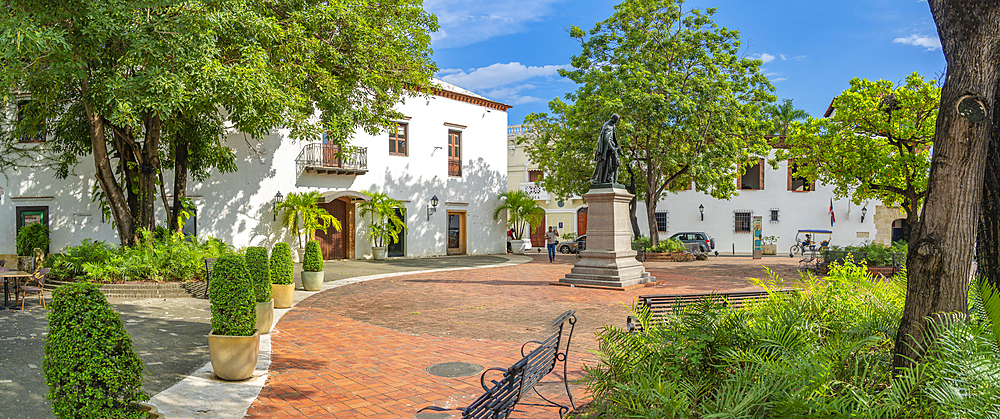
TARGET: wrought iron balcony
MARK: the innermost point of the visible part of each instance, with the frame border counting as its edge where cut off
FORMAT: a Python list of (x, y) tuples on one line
[(330, 159)]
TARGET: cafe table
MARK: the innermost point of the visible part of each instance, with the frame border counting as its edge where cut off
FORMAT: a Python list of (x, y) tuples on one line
[(7, 277)]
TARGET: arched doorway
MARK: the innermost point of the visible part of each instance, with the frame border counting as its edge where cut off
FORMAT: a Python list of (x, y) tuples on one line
[(581, 221), (339, 244), (900, 230)]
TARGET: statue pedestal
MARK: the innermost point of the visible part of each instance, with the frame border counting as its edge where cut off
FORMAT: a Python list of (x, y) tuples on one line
[(608, 261)]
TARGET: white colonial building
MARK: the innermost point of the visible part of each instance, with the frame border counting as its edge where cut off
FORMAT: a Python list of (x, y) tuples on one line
[(451, 146), (785, 203)]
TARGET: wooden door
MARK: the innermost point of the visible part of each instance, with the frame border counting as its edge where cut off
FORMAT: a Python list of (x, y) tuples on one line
[(456, 232), (538, 235), (333, 244), (581, 221)]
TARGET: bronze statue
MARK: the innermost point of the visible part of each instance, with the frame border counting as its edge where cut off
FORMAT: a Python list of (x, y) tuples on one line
[(606, 154)]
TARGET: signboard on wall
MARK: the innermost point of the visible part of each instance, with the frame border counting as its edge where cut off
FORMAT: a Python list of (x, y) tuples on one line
[(757, 254)]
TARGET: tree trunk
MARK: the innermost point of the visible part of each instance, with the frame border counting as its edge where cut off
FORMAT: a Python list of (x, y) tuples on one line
[(180, 183), (654, 237), (633, 204), (988, 237), (941, 246), (106, 176), (149, 164)]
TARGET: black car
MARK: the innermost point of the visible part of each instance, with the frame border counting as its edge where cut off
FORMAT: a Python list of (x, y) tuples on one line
[(705, 243)]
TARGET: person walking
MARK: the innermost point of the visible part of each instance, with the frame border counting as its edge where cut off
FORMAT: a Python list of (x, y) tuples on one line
[(551, 240)]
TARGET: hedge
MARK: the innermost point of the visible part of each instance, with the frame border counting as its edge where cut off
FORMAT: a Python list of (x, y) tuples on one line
[(30, 237), (313, 259), (260, 273), (232, 296), (89, 364), (282, 267)]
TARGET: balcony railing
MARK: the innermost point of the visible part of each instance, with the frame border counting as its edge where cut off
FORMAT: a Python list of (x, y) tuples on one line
[(331, 159), (454, 166)]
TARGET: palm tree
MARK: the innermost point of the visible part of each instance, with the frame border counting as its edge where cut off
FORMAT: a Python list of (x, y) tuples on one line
[(521, 211), (782, 116), (301, 213), (385, 224)]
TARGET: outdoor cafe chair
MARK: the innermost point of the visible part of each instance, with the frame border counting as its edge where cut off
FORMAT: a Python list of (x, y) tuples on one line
[(38, 278)]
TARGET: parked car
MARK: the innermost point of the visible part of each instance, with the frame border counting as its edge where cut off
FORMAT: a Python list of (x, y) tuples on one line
[(700, 237), (573, 246)]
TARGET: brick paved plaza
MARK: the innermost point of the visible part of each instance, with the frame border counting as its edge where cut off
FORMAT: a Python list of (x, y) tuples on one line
[(361, 350)]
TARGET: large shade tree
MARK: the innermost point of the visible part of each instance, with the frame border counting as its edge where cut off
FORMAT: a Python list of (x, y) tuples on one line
[(876, 145), (941, 248), (132, 83), (691, 105)]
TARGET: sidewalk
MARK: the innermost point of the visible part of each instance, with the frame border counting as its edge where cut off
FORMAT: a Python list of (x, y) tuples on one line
[(362, 350)]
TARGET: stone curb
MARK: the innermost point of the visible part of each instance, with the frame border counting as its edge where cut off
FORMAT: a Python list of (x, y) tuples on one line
[(201, 395)]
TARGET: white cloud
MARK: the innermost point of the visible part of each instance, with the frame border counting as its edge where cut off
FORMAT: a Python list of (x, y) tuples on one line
[(499, 74), (444, 71), (765, 57), (511, 95), (778, 79), (929, 42), (465, 22), (782, 57)]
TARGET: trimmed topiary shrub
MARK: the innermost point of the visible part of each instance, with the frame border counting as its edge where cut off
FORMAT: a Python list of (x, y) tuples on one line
[(32, 236), (90, 366), (312, 261), (282, 267), (232, 296), (260, 273)]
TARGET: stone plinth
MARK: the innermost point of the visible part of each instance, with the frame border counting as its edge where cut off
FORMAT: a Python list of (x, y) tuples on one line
[(608, 261)]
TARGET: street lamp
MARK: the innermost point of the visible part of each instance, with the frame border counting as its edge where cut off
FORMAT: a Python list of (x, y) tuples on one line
[(274, 204), (864, 210), (701, 209), (432, 208)]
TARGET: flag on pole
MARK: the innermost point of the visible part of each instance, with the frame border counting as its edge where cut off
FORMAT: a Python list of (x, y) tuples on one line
[(832, 217)]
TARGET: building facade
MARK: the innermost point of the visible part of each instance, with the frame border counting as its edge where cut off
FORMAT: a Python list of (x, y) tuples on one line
[(785, 203), (450, 145)]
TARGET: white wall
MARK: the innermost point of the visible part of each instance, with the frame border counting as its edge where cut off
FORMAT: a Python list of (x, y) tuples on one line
[(236, 207), (797, 210)]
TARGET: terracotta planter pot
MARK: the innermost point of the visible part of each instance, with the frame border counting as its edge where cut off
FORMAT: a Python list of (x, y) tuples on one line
[(379, 253), (265, 316), (769, 249), (282, 295), (312, 281), (234, 358)]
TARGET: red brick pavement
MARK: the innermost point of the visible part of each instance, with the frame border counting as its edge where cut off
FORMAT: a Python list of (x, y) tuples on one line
[(361, 350)]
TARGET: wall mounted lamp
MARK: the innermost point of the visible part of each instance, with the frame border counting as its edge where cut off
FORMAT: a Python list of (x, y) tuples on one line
[(278, 198), (701, 209), (432, 208), (864, 210)]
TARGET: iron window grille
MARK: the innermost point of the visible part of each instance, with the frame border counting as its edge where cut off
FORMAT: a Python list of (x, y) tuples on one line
[(742, 220), (661, 221), (774, 215)]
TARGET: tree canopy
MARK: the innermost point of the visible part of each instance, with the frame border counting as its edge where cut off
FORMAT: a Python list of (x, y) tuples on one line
[(691, 105), (876, 145), (128, 82)]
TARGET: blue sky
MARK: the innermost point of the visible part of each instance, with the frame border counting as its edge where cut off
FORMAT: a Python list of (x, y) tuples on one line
[(510, 51)]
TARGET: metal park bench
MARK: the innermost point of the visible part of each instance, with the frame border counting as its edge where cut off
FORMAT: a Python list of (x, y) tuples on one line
[(501, 396), (663, 304)]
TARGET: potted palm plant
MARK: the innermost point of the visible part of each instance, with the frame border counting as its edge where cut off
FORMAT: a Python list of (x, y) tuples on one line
[(384, 225), (312, 267), (260, 275), (522, 212), (282, 275), (300, 212), (234, 340)]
